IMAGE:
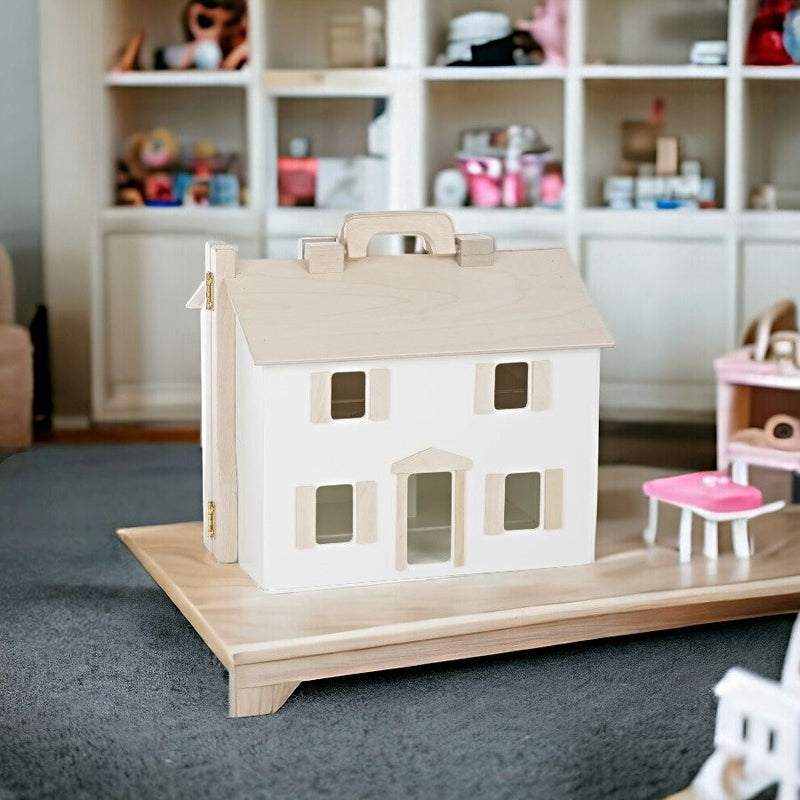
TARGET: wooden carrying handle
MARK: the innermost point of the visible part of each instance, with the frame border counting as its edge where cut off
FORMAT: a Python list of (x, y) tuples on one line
[(435, 227)]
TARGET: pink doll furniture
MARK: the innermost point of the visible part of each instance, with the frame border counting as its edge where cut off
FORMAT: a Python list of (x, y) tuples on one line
[(714, 497)]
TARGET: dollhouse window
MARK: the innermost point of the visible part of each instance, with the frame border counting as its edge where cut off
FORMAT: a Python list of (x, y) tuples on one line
[(523, 501), (334, 514), (348, 395), (511, 386)]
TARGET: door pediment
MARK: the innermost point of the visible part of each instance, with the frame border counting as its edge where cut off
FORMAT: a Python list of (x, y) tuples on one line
[(431, 460)]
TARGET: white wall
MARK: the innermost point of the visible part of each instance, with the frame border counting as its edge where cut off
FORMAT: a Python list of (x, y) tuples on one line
[(20, 171), (432, 405)]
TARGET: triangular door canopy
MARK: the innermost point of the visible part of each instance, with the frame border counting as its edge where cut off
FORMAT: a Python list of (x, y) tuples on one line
[(431, 460)]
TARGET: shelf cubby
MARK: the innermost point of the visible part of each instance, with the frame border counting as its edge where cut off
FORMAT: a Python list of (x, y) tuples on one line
[(639, 33), (336, 127), (440, 12), (772, 123), (187, 115), (453, 107), (695, 113)]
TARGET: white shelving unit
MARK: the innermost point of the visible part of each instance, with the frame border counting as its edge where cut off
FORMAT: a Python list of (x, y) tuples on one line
[(675, 287)]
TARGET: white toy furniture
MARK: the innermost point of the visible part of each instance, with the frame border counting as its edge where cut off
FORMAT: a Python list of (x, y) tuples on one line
[(714, 497), (757, 735)]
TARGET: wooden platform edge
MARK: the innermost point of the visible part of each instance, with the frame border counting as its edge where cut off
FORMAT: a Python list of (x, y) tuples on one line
[(261, 682)]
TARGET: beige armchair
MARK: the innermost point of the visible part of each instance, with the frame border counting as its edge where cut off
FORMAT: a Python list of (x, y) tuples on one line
[(16, 366)]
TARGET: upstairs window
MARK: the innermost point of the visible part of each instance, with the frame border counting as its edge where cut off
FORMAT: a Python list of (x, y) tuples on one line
[(348, 395), (511, 386)]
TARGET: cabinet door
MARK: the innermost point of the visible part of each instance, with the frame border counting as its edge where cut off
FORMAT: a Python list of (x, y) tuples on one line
[(770, 273), (151, 342), (665, 303)]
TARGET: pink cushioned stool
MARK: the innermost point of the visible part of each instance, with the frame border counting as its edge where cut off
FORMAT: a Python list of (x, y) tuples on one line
[(714, 497)]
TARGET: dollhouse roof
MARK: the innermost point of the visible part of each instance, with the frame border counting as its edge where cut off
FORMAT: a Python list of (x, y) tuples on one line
[(414, 305)]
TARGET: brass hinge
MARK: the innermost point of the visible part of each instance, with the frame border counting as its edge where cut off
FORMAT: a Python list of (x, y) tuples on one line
[(209, 291), (211, 517)]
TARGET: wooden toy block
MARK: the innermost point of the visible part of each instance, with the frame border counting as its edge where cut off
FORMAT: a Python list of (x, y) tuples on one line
[(324, 257), (667, 156), (474, 250)]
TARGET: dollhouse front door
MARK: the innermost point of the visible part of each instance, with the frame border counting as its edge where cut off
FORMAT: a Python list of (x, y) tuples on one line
[(430, 508)]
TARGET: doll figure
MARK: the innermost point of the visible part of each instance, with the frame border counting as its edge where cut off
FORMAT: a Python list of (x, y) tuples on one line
[(215, 37), (549, 28)]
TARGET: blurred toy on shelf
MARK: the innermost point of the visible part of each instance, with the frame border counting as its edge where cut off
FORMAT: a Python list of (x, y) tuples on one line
[(651, 174), (450, 188), (358, 182), (686, 189), (501, 166), (709, 53), (765, 43), (549, 28), (216, 38), (791, 34), (357, 39), (151, 173), (488, 39), (764, 198)]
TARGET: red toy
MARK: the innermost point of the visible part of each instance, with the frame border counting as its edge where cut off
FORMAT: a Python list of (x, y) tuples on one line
[(765, 42)]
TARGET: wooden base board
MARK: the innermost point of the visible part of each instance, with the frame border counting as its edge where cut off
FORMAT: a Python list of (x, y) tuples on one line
[(269, 643)]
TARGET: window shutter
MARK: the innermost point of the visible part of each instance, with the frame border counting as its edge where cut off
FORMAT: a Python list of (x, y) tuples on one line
[(484, 388), (366, 512), (553, 499), (379, 394), (541, 378), (494, 510), (320, 397), (459, 492), (305, 517)]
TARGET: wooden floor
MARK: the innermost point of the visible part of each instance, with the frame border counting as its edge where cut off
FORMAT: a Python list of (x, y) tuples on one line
[(271, 642)]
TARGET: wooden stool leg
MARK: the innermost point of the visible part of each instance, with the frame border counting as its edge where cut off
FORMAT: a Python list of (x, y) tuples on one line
[(685, 535), (710, 539), (742, 547), (649, 534)]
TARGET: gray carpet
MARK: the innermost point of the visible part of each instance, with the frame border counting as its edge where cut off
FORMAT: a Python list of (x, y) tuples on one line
[(105, 691)]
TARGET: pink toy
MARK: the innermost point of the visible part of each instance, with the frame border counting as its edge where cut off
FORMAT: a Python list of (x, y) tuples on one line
[(714, 497), (549, 28)]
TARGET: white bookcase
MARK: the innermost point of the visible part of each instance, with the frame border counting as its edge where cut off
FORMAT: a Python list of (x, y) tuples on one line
[(675, 287)]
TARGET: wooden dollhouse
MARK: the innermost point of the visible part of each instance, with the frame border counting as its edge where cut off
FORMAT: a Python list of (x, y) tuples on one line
[(373, 418), (372, 421)]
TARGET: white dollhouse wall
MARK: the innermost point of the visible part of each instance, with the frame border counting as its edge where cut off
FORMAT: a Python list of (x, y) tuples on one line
[(431, 405)]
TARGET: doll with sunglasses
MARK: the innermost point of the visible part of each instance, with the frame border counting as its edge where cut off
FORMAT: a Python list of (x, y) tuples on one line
[(216, 38)]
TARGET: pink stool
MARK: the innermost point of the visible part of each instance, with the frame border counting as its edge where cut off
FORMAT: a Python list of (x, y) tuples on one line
[(714, 497)]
